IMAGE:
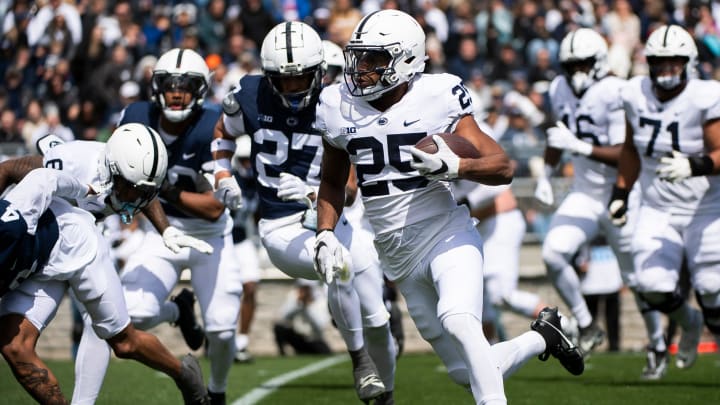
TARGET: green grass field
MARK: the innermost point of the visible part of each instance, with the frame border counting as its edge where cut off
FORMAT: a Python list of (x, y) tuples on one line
[(611, 379)]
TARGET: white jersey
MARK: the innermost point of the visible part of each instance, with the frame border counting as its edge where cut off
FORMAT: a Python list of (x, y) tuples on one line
[(77, 243), (659, 128), (82, 160), (596, 118), (394, 194)]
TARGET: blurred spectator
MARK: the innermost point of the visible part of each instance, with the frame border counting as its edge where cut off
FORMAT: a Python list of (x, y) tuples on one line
[(184, 17), (494, 24), (55, 18), (158, 38), (256, 21), (467, 59), (52, 125), (16, 94), (343, 19), (107, 79), (303, 319), (14, 28), (211, 26), (435, 18), (542, 68), (142, 75), (502, 67), (622, 26), (461, 25), (9, 131), (34, 119), (542, 40)]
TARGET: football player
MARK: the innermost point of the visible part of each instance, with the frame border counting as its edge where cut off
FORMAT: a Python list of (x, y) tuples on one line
[(179, 85), (586, 102), (277, 109), (672, 148), (48, 246), (427, 243), (100, 164)]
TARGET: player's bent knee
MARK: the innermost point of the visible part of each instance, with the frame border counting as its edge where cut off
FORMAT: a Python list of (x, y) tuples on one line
[(222, 337), (665, 302), (555, 260)]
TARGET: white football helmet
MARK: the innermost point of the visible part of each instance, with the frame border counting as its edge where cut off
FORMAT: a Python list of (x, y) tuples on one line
[(334, 62), (580, 48), (135, 164), (399, 37), (293, 49), (180, 69), (670, 41)]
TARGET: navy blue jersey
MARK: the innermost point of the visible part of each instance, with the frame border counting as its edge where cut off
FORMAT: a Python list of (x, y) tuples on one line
[(22, 254), (283, 141), (189, 155)]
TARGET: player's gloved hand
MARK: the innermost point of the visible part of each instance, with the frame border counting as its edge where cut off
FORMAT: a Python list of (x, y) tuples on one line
[(228, 192), (617, 208), (175, 240), (292, 188), (560, 137), (677, 166), (544, 191), (331, 258), (441, 165)]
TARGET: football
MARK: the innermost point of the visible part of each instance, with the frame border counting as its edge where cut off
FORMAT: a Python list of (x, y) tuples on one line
[(461, 146)]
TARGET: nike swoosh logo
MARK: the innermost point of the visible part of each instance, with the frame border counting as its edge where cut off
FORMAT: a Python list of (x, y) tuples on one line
[(187, 156), (407, 124)]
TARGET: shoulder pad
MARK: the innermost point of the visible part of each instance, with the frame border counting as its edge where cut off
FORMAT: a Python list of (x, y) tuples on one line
[(230, 105), (46, 142)]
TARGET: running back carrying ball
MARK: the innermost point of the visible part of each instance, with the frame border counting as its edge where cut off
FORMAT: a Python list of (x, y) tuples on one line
[(461, 146)]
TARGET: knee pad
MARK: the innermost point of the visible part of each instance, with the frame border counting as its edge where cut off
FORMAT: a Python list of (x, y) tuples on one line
[(665, 302), (378, 334), (711, 311)]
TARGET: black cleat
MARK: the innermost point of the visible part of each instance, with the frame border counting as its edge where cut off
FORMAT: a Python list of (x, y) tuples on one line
[(217, 398), (557, 344), (368, 384), (657, 365), (191, 331), (191, 382)]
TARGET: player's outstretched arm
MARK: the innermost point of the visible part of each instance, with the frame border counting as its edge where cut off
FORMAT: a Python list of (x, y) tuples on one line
[(227, 189), (14, 170), (493, 167)]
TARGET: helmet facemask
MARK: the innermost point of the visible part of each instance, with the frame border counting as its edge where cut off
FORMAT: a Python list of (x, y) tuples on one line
[(194, 84), (294, 99), (127, 199), (676, 65), (392, 65), (581, 73)]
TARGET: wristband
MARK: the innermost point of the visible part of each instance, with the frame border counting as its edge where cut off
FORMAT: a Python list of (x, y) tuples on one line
[(619, 194), (222, 165), (219, 144), (701, 165), (319, 231)]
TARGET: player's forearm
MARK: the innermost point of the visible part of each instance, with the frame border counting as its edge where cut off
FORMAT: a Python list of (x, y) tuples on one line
[(222, 148), (156, 215), (329, 206), (14, 170), (200, 205), (610, 155), (628, 168), (494, 169)]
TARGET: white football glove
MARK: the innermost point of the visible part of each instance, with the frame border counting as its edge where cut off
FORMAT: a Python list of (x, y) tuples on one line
[(560, 137), (441, 165), (176, 239), (674, 168), (331, 258), (544, 191), (617, 208), (292, 188), (228, 192)]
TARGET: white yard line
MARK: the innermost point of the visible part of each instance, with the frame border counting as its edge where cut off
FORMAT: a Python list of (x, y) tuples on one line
[(271, 385)]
